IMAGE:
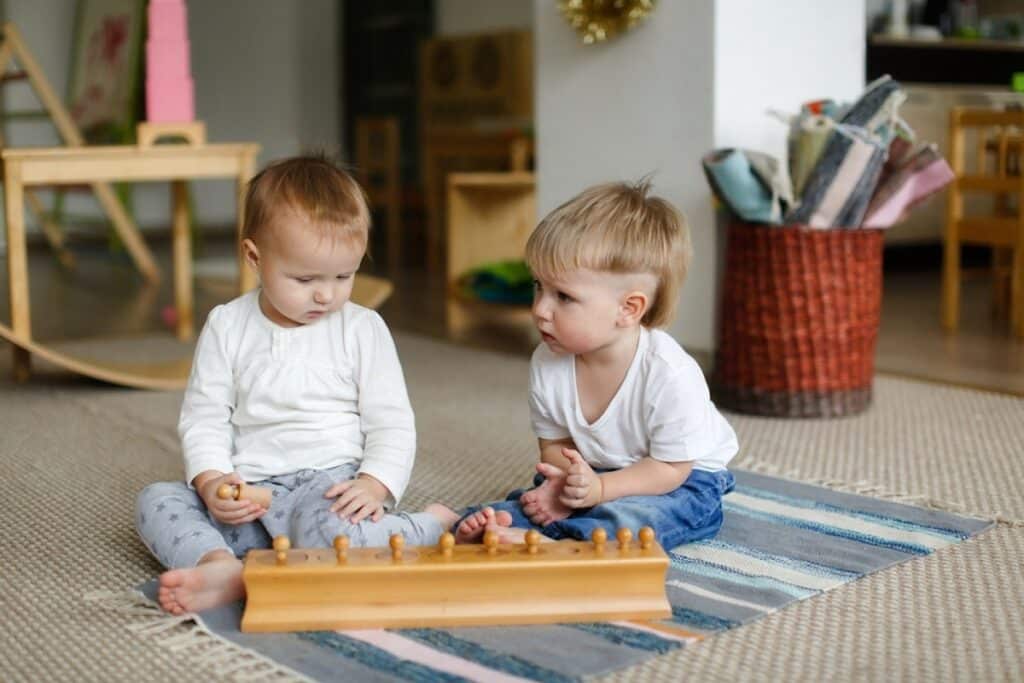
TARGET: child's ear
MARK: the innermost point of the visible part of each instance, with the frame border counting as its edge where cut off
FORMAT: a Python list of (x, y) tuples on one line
[(633, 307), (251, 253)]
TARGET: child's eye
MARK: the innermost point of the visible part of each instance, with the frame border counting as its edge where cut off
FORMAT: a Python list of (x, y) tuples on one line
[(304, 280), (344, 277), (562, 296), (536, 286)]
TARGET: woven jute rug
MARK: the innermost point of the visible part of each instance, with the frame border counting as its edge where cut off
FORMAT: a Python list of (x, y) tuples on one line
[(73, 455)]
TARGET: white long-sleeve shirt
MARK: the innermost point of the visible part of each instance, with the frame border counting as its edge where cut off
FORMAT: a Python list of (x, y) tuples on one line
[(264, 400)]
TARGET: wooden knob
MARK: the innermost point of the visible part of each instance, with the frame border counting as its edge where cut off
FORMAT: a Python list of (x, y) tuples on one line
[(281, 546), (397, 542), (646, 538), (625, 536), (491, 541), (227, 491), (446, 543), (532, 541), (341, 547), (599, 536)]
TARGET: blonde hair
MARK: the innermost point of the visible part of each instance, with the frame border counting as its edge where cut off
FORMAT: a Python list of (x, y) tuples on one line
[(617, 228), (313, 186)]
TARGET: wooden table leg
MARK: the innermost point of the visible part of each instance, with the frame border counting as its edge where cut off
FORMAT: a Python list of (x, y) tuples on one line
[(246, 170), (184, 297), (17, 267)]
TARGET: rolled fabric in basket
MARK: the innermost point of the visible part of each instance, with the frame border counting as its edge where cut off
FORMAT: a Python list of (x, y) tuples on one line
[(917, 175), (754, 185), (839, 188)]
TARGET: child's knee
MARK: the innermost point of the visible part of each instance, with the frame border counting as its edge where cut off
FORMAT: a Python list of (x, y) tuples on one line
[(153, 496)]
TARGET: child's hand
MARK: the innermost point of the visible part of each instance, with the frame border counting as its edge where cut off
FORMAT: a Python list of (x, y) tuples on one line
[(542, 505), (228, 511), (358, 499), (583, 487)]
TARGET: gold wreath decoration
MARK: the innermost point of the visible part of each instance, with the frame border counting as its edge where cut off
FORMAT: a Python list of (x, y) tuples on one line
[(599, 20)]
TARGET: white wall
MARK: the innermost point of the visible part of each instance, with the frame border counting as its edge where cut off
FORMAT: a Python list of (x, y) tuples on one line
[(639, 104), (778, 55), (695, 76), (455, 17), (264, 71)]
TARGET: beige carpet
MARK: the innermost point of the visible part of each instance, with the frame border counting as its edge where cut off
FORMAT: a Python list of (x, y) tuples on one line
[(73, 454)]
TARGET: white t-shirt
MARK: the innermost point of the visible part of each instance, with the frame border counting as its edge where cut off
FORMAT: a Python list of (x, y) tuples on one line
[(265, 400), (662, 409)]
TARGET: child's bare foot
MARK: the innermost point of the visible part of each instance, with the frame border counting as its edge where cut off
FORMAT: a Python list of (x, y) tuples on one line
[(444, 514), (542, 505), (473, 527), (208, 584)]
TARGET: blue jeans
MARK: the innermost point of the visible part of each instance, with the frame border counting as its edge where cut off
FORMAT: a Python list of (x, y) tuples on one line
[(690, 513)]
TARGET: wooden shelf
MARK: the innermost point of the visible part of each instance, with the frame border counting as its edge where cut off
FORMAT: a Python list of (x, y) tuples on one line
[(490, 218)]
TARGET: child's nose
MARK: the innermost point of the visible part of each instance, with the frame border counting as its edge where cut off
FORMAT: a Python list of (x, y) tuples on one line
[(322, 296), (540, 308)]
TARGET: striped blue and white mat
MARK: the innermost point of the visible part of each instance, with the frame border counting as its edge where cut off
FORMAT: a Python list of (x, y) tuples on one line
[(781, 541)]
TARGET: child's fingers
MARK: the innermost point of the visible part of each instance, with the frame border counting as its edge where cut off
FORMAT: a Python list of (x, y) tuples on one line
[(572, 455), (378, 513), (338, 489), (239, 515), (346, 497), (361, 514), (354, 504), (577, 480), (550, 471), (574, 492), (571, 502)]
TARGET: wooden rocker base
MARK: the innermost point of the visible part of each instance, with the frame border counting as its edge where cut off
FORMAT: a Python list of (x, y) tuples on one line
[(164, 376)]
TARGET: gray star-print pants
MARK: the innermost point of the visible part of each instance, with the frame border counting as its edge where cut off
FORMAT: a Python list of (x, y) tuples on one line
[(173, 521)]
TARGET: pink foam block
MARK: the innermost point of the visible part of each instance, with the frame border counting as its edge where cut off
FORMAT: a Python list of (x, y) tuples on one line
[(167, 21), (167, 59), (171, 102)]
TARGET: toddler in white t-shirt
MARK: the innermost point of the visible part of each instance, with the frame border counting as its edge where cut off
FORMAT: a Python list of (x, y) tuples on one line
[(627, 431)]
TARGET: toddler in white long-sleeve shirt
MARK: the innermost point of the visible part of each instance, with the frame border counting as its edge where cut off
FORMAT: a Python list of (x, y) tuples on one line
[(295, 387)]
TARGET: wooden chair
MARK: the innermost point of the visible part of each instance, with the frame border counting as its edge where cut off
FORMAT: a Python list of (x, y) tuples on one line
[(1000, 139), (378, 156)]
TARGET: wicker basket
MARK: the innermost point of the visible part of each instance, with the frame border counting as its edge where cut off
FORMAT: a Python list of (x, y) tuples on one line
[(799, 320)]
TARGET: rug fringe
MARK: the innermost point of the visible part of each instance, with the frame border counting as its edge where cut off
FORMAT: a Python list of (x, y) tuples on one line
[(188, 636), (867, 488)]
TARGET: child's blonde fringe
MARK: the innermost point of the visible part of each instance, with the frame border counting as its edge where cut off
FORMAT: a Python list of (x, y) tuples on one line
[(866, 488), (186, 635)]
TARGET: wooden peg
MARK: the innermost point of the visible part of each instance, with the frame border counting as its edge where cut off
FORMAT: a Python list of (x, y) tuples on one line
[(256, 494), (646, 538), (397, 542), (491, 541), (446, 544), (281, 547), (599, 536), (341, 547), (625, 536), (532, 539)]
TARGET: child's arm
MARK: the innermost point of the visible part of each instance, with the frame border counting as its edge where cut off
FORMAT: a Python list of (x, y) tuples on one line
[(551, 452), (386, 418), (586, 488), (204, 424)]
